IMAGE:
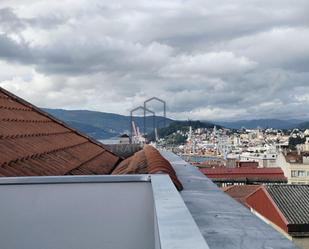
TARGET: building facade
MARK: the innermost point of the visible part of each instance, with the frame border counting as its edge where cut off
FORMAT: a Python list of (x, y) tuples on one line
[(295, 167)]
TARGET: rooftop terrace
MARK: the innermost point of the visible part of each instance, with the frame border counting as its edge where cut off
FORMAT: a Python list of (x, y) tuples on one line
[(224, 223)]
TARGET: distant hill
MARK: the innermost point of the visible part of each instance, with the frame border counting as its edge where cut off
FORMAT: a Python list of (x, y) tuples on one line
[(184, 126), (303, 125), (102, 125), (169, 132), (262, 123)]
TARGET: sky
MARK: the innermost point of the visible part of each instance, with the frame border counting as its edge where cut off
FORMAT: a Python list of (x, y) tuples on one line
[(209, 60)]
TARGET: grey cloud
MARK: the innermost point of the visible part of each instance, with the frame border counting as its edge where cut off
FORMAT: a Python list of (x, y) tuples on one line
[(9, 21), (208, 59), (12, 51)]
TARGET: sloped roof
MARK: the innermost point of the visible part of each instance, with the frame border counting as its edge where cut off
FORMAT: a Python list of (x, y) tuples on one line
[(275, 174), (241, 192), (294, 157), (34, 143), (148, 160), (292, 200)]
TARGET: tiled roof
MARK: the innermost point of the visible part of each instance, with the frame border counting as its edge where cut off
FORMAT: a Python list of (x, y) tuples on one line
[(294, 157), (243, 173), (157, 164), (136, 164), (147, 161), (292, 200), (241, 192), (35, 143)]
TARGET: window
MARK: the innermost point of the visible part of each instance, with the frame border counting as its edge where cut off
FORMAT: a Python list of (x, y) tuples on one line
[(302, 173), (294, 173)]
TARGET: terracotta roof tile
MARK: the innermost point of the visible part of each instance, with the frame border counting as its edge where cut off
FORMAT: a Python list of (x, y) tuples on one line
[(158, 164), (147, 161), (245, 173), (99, 164), (293, 157), (35, 143), (137, 164), (241, 192), (121, 168)]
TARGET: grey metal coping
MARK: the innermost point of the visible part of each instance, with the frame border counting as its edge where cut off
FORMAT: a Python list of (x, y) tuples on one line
[(224, 223), (174, 224), (73, 179)]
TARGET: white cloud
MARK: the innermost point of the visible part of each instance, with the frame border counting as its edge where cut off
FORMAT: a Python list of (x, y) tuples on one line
[(208, 64), (207, 59)]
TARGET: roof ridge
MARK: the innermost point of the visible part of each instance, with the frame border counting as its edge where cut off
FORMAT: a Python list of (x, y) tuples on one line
[(258, 188)]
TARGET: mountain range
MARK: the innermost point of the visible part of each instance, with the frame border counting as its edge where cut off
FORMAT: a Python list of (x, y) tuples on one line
[(102, 125), (263, 123)]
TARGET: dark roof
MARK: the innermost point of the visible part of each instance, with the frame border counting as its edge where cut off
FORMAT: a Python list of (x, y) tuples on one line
[(124, 136), (34, 143), (292, 200), (241, 192)]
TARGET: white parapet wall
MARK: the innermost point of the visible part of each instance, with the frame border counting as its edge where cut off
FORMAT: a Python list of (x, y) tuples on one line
[(92, 212)]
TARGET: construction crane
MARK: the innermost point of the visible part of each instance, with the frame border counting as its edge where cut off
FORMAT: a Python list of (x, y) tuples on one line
[(137, 138)]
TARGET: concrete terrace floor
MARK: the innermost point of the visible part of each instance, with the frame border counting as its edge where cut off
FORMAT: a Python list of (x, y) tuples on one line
[(224, 223)]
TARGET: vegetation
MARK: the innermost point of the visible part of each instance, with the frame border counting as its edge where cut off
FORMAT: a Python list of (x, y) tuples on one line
[(175, 132), (293, 141), (176, 139)]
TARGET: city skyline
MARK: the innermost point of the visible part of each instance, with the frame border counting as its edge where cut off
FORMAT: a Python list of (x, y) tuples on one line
[(210, 61)]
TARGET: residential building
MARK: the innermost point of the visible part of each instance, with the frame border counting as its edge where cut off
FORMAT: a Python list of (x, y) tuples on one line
[(295, 166), (285, 207), (124, 139), (115, 201), (265, 160)]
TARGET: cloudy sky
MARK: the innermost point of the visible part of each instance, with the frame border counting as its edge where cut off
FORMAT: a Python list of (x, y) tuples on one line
[(212, 60)]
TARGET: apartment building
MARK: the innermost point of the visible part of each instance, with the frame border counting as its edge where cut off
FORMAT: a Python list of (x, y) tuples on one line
[(295, 166)]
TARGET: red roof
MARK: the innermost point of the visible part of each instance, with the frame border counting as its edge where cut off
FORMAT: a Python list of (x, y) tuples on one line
[(241, 192), (35, 143), (237, 173), (148, 160)]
